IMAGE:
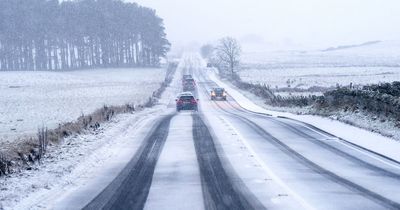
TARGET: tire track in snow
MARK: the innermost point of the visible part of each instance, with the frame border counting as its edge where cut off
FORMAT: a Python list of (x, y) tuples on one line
[(176, 180), (131, 187), (219, 188)]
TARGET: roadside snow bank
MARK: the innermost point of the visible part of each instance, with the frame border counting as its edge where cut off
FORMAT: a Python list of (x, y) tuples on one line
[(363, 138), (76, 162)]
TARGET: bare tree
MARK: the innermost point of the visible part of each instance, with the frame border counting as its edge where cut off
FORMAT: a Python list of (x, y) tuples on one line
[(228, 55)]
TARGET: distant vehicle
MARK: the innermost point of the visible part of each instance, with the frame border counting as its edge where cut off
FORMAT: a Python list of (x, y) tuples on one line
[(186, 76), (218, 93), (189, 85), (186, 101), (209, 65)]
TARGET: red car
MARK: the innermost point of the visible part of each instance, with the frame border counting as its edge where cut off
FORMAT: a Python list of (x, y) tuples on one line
[(189, 85), (186, 101)]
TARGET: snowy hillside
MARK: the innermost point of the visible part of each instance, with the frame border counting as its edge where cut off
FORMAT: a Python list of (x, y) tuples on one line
[(29, 100), (385, 53), (390, 49), (321, 76)]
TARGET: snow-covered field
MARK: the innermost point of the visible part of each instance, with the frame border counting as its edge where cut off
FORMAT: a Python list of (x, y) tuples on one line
[(304, 78), (384, 53), (29, 99), (361, 65)]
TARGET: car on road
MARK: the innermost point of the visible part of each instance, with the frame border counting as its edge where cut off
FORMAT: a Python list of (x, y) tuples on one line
[(186, 101), (189, 85), (218, 93)]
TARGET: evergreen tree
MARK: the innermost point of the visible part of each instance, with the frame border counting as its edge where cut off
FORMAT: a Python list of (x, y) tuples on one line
[(48, 35)]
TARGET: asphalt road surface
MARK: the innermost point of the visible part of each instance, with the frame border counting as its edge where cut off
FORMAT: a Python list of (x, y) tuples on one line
[(226, 157)]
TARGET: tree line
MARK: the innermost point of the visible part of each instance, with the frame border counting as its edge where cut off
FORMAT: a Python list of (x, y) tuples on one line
[(49, 35)]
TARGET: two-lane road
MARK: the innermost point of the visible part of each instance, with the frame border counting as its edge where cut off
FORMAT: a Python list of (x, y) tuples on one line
[(324, 171), (226, 157)]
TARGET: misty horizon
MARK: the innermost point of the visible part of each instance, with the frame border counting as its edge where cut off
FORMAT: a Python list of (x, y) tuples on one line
[(283, 25)]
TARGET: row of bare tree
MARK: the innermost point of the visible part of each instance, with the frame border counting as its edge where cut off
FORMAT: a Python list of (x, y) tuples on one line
[(48, 35)]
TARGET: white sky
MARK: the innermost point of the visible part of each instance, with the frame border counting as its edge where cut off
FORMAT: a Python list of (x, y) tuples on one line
[(279, 23)]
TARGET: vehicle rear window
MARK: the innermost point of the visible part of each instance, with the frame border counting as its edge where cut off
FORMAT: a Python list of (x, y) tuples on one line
[(219, 90), (186, 98)]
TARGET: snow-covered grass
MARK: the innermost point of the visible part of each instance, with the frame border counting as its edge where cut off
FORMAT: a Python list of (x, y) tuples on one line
[(77, 161), (293, 73), (304, 78), (29, 99), (384, 53), (313, 72)]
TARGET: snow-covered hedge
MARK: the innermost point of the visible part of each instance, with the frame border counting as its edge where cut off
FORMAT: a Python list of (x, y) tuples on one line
[(381, 100), (265, 92)]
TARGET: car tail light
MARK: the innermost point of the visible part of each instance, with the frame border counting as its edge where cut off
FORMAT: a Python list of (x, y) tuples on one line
[(180, 101), (193, 101)]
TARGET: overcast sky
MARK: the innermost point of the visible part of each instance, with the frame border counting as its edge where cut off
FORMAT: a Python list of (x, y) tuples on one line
[(279, 23)]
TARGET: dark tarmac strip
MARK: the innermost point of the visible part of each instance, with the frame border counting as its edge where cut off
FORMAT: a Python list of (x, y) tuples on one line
[(131, 187), (221, 190)]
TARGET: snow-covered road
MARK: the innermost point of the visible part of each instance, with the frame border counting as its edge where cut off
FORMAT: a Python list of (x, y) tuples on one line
[(227, 157), (317, 169), (247, 160), (176, 179)]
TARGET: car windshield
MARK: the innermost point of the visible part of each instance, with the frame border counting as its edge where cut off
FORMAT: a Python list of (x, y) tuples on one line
[(218, 90)]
